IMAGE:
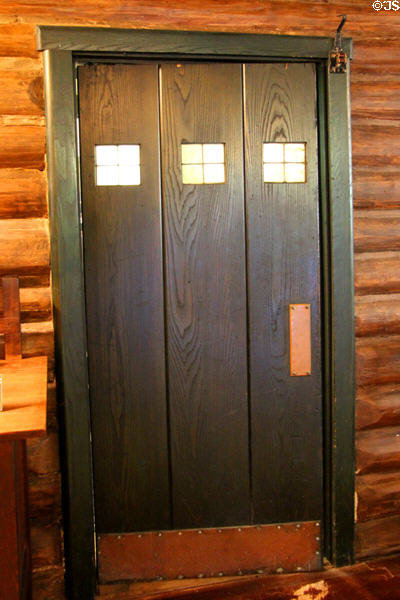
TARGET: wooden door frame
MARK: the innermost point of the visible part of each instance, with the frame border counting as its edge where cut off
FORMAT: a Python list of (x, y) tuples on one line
[(62, 47)]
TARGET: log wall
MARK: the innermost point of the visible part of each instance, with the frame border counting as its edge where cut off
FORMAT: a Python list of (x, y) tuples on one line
[(24, 236)]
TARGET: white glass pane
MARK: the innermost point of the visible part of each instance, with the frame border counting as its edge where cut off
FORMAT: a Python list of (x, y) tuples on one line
[(192, 154), (273, 153), (214, 173), (295, 153), (295, 173), (129, 175), (273, 173), (192, 174), (213, 153), (107, 175), (106, 155), (129, 154)]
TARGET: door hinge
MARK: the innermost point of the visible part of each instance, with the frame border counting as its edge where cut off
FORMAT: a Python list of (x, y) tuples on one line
[(337, 56)]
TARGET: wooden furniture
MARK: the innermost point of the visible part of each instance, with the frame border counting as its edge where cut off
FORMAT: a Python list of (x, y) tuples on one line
[(23, 416)]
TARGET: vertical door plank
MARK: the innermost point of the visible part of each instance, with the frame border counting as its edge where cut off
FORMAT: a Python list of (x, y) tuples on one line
[(206, 299), (283, 269), (124, 298)]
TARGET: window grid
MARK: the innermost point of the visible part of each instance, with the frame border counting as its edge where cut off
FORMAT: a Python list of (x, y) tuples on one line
[(284, 162), (117, 165), (203, 163)]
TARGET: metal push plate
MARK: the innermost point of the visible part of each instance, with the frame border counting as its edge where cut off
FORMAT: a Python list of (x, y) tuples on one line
[(300, 339)]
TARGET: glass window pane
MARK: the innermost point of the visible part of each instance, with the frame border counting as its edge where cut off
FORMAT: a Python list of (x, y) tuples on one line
[(192, 174), (192, 154), (295, 153), (106, 155), (214, 173), (273, 153), (213, 153), (107, 175), (129, 175), (273, 173), (129, 154), (295, 173)]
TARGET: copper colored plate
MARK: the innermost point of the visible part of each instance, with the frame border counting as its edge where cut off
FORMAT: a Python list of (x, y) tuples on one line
[(209, 552), (300, 339)]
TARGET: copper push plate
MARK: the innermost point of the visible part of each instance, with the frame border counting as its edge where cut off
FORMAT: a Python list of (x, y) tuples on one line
[(300, 339)]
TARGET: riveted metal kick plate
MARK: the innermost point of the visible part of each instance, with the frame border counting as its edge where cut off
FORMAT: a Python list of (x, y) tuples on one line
[(208, 552)]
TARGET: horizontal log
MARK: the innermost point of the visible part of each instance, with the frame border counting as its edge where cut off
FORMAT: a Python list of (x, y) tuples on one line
[(375, 137), (23, 144), (35, 304), (370, 72), (377, 188), (377, 537), (23, 193), (21, 86), (377, 273), (378, 406), (18, 39), (378, 450), (257, 16), (37, 340), (376, 230), (378, 360), (44, 493), (24, 245), (43, 455), (378, 495), (377, 315)]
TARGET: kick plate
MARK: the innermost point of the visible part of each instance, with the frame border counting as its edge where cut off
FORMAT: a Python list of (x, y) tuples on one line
[(276, 548)]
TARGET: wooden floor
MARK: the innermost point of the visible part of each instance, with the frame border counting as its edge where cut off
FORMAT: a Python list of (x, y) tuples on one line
[(371, 580)]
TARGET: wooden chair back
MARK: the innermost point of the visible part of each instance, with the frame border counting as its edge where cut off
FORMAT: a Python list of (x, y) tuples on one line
[(10, 320)]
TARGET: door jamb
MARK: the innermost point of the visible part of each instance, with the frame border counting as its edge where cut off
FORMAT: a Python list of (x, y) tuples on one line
[(61, 47)]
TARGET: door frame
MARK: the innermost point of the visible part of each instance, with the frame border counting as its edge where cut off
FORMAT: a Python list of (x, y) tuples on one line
[(62, 48)]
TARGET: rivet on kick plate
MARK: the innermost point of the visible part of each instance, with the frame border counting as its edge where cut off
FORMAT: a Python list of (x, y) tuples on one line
[(260, 571), (298, 526), (159, 534), (280, 570), (220, 574), (200, 575), (199, 531)]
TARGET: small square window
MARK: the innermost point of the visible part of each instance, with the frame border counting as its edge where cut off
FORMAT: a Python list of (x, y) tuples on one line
[(203, 163), (284, 162), (117, 164)]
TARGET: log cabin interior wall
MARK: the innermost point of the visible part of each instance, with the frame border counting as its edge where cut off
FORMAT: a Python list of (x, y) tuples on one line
[(24, 236)]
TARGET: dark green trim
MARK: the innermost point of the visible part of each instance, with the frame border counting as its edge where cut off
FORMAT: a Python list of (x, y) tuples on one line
[(326, 302), (342, 315), (67, 266), (70, 326), (85, 39)]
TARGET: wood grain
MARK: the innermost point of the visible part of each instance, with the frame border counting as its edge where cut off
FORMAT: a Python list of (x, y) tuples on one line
[(378, 450), (377, 537), (376, 230), (124, 299), (22, 194), (377, 315), (286, 421), (23, 145), (378, 406), (21, 86), (24, 398), (378, 495), (378, 360), (206, 300), (377, 273), (24, 246)]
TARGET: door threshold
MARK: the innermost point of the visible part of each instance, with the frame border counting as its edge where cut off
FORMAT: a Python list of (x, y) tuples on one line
[(375, 578)]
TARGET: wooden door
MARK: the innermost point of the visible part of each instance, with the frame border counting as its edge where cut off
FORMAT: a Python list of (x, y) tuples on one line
[(200, 236)]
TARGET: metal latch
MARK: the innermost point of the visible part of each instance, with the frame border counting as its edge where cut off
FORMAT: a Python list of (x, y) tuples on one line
[(338, 57)]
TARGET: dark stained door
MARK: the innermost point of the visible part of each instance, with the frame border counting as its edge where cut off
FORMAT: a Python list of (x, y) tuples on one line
[(200, 231)]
